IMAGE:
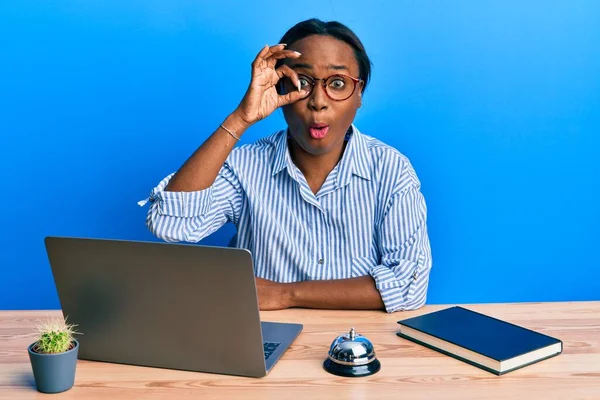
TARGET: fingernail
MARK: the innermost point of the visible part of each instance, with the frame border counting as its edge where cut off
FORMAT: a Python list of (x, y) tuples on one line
[(298, 85), (282, 44), (297, 52)]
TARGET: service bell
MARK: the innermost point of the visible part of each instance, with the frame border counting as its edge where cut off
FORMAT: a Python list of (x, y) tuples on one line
[(351, 355)]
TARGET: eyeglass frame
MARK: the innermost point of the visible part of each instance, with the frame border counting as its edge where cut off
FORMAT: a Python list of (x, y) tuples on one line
[(354, 80)]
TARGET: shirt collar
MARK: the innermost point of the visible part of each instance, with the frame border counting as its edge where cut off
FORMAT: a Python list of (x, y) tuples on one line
[(282, 157), (355, 159), (353, 162)]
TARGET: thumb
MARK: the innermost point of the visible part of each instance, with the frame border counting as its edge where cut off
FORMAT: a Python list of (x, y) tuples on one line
[(291, 97)]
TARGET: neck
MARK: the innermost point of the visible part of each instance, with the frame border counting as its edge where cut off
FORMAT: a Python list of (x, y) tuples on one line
[(316, 168)]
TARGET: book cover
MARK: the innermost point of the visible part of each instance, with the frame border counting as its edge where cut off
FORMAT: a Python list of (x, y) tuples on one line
[(489, 343)]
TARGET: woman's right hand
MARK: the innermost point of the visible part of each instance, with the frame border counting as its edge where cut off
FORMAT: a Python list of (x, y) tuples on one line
[(261, 98)]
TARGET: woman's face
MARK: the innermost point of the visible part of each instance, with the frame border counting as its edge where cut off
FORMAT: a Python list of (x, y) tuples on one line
[(317, 123)]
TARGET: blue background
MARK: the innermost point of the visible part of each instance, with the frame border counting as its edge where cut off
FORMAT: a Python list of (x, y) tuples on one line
[(496, 103)]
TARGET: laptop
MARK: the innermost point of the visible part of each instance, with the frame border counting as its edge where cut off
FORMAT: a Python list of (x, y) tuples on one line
[(166, 305)]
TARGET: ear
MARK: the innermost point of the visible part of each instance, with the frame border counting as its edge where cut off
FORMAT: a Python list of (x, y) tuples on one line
[(360, 92)]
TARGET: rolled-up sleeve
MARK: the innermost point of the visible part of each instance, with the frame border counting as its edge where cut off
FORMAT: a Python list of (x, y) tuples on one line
[(192, 216), (402, 278)]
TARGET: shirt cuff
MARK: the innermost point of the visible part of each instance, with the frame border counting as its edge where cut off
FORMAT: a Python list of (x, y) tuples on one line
[(180, 204), (388, 286), (395, 293)]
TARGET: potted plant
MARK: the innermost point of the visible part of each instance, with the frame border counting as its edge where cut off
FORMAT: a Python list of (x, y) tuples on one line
[(53, 356)]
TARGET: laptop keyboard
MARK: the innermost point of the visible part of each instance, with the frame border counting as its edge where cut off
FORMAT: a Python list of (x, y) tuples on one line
[(269, 348)]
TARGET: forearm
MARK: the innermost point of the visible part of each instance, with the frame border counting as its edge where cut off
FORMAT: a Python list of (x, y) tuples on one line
[(201, 169), (352, 294)]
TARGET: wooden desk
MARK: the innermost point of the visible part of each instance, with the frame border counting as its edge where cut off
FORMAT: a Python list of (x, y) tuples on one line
[(409, 371)]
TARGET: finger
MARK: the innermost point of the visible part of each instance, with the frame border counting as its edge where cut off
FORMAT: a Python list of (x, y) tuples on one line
[(277, 47), (285, 70), (272, 60), (284, 54), (262, 53), (291, 97), (267, 51)]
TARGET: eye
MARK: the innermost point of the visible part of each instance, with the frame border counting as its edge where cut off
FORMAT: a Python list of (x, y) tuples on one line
[(303, 82), (337, 84)]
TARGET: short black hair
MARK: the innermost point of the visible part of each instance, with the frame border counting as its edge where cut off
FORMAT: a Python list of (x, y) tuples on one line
[(334, 29)]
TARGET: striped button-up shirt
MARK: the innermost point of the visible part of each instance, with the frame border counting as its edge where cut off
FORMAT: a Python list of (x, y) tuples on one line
[(368, 218)]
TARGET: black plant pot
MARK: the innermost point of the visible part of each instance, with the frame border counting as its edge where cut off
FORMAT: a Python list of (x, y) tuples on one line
[(54, 373)]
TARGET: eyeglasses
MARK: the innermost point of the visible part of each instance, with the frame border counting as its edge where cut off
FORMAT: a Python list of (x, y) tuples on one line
[(338, 87)]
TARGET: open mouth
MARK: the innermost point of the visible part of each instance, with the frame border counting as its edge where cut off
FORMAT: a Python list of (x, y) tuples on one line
[(318, 131)]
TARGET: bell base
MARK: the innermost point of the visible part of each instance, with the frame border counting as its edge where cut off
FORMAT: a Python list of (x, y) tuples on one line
[(352, 371)]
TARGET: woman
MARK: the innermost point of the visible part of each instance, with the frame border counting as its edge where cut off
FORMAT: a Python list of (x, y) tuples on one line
[(333, 218)]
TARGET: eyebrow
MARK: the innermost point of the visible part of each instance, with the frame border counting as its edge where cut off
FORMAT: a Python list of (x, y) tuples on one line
[(308, 66)]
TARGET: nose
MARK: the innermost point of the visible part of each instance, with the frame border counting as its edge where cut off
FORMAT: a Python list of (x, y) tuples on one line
[(318, 100)]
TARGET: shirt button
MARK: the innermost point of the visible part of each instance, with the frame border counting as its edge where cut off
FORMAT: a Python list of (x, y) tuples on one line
[(415, 275), (320, 261)]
